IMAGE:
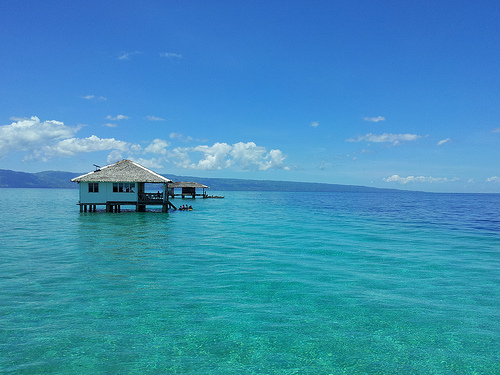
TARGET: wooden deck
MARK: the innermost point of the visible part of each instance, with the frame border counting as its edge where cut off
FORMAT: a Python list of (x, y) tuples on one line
[(188, 195), (145, 199), (151, 197)]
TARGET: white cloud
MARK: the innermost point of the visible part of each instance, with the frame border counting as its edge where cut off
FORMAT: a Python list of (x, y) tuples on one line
[(214, 157), (50, 139), (395, 139), (442, 142), (170, 55), (405, 180), (114, 156), (154, 118), (493, 179), (117, 118), (374, 119), (274, 160), (110, 125), (135, 148), (72, 146), (247, 156), (91, 97), (496, 130), (148, 163), (175, 135), (31, 135), (158, 146), (314, 124), (180, 137), (180, 157), (127, 55), (250, 156)]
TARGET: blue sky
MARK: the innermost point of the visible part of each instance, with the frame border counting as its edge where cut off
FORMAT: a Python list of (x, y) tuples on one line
[(377, 93)]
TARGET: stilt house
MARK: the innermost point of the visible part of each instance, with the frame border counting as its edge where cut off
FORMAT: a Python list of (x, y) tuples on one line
[(119, 184), (188, 189)]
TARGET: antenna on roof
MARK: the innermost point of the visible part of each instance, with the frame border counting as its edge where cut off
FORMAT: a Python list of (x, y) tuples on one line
[(97, 168)]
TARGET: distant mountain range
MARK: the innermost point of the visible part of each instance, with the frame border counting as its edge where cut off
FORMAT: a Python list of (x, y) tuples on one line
[(48, 179), (56, 179)]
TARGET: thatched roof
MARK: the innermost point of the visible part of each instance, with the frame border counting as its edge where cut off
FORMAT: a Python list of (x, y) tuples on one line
[(183, 184), (122, 171)]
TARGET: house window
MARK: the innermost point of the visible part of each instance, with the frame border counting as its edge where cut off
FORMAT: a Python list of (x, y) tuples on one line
[(93, 187), (123, 187)]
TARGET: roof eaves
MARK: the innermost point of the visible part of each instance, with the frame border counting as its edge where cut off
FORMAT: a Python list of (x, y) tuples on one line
[(88, 176)]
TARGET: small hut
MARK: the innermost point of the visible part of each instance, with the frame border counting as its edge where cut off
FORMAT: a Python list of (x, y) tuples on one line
[(119, 184), (188, 189)]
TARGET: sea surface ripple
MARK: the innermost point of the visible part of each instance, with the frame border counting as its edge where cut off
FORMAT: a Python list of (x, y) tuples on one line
[(255, 283)]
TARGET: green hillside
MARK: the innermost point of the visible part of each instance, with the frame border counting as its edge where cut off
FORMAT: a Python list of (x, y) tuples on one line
[(56, 179)]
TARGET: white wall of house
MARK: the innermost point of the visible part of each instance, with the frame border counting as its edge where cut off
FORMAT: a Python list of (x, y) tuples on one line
[(106, 193)]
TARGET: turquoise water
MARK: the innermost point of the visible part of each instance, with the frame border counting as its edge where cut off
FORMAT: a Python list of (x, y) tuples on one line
[(256, 283)]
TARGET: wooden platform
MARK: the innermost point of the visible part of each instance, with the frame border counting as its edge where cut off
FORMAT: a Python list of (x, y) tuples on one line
[(115, 206)]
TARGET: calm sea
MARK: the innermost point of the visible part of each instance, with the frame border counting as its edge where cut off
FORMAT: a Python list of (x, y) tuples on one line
[(256, 283)]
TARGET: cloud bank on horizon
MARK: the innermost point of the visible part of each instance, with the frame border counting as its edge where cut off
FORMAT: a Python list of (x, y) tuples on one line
[(44, 140)]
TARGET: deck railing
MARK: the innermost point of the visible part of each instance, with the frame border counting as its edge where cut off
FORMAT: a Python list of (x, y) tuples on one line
[(145, 197)]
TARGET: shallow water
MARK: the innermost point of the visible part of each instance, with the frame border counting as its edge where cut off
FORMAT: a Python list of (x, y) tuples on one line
[(256, 283)]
